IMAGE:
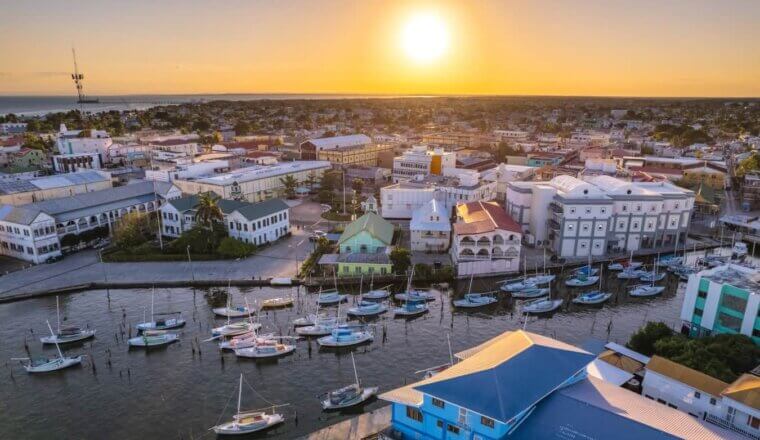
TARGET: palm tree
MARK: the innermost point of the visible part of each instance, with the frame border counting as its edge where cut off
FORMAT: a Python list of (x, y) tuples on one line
[(207, 211), (290, 184)]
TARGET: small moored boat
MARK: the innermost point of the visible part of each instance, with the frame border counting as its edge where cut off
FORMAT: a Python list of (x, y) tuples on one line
[(265, 348), (644, 290), (248, 422), (595, 297), (535, 292), (367, 308), (581, 281), (153, 338), (346, 335), (542, 306), (66, 334), (473, 300), (273, 303), (350, 395)]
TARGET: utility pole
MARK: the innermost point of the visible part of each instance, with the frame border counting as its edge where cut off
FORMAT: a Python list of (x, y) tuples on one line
[(190, 262), (158, 207), (344, 191)]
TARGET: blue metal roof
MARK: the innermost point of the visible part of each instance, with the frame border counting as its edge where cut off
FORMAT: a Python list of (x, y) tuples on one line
[(512, 386)]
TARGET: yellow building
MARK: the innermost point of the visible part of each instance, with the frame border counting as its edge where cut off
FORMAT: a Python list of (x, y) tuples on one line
[(359, 155)]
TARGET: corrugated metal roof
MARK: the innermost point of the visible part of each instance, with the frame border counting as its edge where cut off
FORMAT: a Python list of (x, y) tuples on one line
[(480, 217), (686, 375), (18, 214), (420, 217), (340, 141), (377, 226), (55, 181)]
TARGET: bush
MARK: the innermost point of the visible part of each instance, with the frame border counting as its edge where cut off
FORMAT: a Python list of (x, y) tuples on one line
[(401, 259), (200, 240), (644, 339), (234, 248), (132, 230)]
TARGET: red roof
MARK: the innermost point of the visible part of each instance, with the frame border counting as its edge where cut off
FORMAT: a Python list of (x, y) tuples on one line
[(481, 217), (10, 142), (170, 142), (259, 154)]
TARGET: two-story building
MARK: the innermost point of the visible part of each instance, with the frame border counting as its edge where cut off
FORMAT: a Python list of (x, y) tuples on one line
[(485, 241), (364, 247), (430, 227), (255, 223)]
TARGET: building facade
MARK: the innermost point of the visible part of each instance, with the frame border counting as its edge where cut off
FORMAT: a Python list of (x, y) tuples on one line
[(430, 227), (722, 300), (37, 189), (421, 161), (485, 240)]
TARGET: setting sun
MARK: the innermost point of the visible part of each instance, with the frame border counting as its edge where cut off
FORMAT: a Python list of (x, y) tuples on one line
[(425, 37)]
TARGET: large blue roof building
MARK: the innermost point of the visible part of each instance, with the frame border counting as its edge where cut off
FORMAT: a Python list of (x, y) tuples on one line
[(525, 386)]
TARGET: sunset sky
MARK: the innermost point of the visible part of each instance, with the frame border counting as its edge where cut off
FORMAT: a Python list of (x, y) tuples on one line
[(544, 47)]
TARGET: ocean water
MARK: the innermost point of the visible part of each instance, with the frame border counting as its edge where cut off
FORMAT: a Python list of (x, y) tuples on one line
[(39, 105)]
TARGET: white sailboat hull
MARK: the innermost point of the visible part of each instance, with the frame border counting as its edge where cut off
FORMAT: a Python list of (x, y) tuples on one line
[(577, 282), (236, 428), (361, 398), (63, 339), (153, 341), (233, 312), (329, 341), (54, 365), (256, 353)]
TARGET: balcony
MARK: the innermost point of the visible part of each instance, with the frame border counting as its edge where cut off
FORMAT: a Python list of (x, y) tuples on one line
[(725, 424), (556, 207)]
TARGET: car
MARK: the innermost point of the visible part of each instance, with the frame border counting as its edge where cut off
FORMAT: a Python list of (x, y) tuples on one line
[(316, 235), (54, 259), (101, 244)]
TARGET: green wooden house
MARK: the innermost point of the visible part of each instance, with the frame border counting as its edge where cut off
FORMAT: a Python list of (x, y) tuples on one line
[(364, 247)]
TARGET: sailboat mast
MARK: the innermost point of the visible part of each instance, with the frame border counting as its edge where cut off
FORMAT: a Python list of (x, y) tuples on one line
[(152, 294), (57, 347), (601, 273), (361, 284), (356, 375), (240, 394), (58, 313), (451, 353)]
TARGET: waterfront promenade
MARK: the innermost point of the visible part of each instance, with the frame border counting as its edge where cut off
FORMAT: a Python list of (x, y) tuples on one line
[(83, 268)]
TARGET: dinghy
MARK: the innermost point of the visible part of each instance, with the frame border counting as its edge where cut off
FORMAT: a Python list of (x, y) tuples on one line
[(248, 422), (274, 303), (345, 336), (153, 338), (350, 395), (68, 334)]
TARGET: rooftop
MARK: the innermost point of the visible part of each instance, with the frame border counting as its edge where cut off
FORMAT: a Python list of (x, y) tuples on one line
[(334, 142), (257, 172), (686, 375), (55, 181), (738, 276), (480, 217), (377, 226), (746, 390)]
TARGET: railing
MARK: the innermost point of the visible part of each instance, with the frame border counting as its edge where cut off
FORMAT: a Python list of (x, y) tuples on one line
[(725, 424)]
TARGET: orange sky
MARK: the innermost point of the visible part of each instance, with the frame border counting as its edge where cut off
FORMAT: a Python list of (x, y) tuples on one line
[(548, 47)]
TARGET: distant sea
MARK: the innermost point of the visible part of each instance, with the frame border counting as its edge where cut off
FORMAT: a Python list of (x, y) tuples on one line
[(39, 105)]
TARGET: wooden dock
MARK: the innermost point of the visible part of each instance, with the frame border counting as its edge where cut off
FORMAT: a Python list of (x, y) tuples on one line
[(364, 427)]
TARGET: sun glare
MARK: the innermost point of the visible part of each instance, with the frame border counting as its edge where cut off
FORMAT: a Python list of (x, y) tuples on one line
[(425, 37)]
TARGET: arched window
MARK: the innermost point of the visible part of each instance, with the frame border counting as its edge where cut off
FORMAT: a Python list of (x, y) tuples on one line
[(498, 239), (497, 252), (483, 253), (467, 241), (484, 241)]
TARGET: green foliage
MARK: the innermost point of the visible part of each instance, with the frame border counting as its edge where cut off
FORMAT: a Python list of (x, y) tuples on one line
[(401, 259), (132, 230), (646, 150), (325, 196), (290, 183), (201, 125), (644, 339), (242, 128), (423, 271), (357, 185), (748, 165), (680, 135), (507, 150), (207, 211), (234, 248), (37, 143), (724, 357), (199, 239), (330, 181)]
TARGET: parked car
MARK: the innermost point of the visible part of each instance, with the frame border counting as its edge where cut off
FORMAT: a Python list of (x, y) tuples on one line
[(102, 243), (54, 259), (316, 235)]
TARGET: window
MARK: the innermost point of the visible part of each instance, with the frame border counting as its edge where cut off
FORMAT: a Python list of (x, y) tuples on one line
[(625, 208), (753, 422), (697, 311), (697, 394), (672, 406), (712, 401), (485, 421), (413, 413), (603, 210), (439, 403), (452, 429), (702, 294), (648, 397), (638, 208), (439, 423), (661, 401), (463, 416), (572, 210), (635, 225), (588, 210)]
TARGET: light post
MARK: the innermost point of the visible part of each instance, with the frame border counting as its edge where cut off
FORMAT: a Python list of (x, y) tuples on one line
[(190, 262), (343, 171), (105, 273)]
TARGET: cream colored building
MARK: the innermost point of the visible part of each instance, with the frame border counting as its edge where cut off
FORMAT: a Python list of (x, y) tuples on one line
[(256, 183), (363, 155), (22, 192)]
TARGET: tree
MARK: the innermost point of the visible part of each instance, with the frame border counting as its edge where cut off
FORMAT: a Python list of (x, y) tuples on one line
[(201, 125), (234, 248), (748, 165), (357, 185), (132, 230), (643, 340), (311, 179), (290, 183), (401, 259), (199, 239), (207, 211), (242, 128)]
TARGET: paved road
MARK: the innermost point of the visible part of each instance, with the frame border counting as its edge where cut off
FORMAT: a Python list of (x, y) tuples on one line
[(279, 260)]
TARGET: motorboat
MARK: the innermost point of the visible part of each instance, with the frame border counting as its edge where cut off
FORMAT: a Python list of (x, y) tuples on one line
[(68, 334), (367, 308), (652, 276), (235, 329), (473, 300), (644, 290), (594, 297), (542, 306), (739, 251), (248, 422), (535, 292), (345, 336), (175, 321), (274, 303), (350, 395), (581, 281), (331, 298), (153, 338), (265, 348)]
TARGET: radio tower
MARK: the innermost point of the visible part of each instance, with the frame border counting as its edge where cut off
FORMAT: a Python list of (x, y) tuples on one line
[(78, 78)]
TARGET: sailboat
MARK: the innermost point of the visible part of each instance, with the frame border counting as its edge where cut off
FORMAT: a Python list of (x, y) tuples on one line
[(66, 334), (533, 292), (366, 308), (583, 279), (153, 338), (544, 305), (310, 319), (349, 395), (45, 365), (622, 265), (593, 297), (644, 290), (229, 310), (160, 324), (266, 347), (322, 327), (411, 307), (248, 422), (346, 335), (331, 297), (411, 294), (376, 294), (474, 300)]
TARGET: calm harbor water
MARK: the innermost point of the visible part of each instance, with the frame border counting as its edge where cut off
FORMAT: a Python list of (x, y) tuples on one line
[(181, 390)]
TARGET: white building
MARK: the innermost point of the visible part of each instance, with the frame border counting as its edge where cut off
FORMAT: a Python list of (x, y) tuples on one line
[(511, 135), (600, 215), (430, 227), (421, 161), (486, 240), (255, 223), (68, 163), (188, 171), (735, 406), (32, 232), (255, 183), (505, 173), (400, 200), (13, 127), (84, 142)]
